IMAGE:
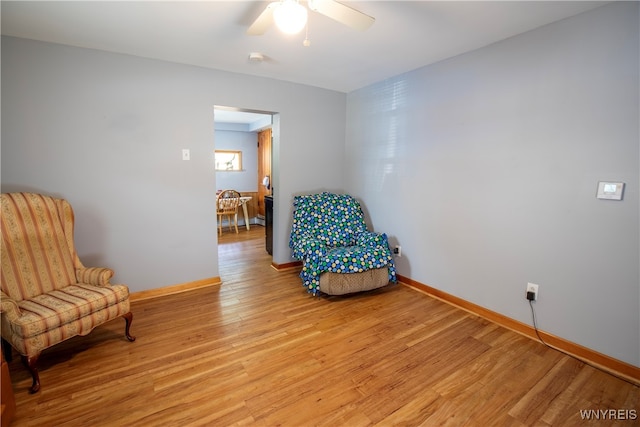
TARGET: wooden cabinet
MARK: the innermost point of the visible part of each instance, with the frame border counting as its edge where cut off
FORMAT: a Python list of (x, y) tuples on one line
[(268, 222)]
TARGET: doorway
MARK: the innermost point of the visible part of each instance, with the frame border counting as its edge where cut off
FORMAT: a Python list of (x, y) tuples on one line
[(248, 132)]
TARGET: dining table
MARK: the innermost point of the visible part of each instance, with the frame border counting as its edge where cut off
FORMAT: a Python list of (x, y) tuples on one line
[(243, 203)]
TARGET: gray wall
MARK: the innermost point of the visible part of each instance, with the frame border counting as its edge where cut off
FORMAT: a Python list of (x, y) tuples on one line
[(106, 132), (484, 168), (247, 179)]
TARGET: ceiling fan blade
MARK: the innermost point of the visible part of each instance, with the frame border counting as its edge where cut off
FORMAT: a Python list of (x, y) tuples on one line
[(342, 13), (264, 21)]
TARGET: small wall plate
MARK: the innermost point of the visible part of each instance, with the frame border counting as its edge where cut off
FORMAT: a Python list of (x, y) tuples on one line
[(610, 190)]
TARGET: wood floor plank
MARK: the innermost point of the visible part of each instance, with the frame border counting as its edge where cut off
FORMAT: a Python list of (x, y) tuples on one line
[(534, 404), (258, 350)]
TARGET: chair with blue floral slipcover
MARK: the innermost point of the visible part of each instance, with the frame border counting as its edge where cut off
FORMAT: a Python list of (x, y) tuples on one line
[(339, 254)]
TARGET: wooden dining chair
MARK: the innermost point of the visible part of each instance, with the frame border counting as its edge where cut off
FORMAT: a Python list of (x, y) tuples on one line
[(227, 205)]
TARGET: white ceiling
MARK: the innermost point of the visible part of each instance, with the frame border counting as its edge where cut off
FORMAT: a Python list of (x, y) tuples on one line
[(406, 35)]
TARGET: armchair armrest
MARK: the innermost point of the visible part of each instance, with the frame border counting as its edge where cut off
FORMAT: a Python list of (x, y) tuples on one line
[(97, 276), (9, 307), (307, 246), (372, 239)]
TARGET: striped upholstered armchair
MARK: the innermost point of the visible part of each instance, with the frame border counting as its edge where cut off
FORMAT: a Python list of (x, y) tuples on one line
[(48, 296)]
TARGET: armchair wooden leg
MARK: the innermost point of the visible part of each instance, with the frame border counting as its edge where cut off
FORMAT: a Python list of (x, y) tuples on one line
[(30, 363), (128, 318)]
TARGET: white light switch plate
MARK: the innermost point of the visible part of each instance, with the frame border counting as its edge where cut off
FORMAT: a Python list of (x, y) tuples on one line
[(610, 190)]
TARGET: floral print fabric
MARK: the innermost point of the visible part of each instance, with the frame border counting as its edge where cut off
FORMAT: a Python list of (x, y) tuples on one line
[(329, 235)]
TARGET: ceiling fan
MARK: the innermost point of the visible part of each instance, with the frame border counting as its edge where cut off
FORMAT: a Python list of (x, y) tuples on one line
[(291, 17)]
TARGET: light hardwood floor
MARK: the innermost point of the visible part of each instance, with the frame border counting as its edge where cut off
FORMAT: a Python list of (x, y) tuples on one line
[(258, 350)]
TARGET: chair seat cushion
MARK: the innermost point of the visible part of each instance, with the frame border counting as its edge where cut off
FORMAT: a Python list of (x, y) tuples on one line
[(352, 259), (54, 309), (349, 260)]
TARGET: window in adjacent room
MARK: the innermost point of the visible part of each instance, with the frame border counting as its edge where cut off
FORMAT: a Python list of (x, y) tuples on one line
[(228, 160)]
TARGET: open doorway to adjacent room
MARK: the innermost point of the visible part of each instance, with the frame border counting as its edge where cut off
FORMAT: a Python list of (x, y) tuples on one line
[(243, 162)]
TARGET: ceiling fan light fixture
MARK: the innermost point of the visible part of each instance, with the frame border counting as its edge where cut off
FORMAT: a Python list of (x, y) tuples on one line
[(290, 16)]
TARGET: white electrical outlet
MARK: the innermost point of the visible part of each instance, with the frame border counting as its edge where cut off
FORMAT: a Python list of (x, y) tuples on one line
[(398, 251), (532, 287)]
